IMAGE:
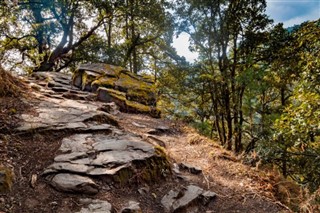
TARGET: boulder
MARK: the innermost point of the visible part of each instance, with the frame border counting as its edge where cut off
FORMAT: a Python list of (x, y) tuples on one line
[(133, 93), (186, 199), (74, 183), (111, 95), (117, 158)]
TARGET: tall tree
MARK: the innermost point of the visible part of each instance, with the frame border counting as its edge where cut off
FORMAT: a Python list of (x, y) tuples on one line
[(48, 31), (146, 25), (217, 29)]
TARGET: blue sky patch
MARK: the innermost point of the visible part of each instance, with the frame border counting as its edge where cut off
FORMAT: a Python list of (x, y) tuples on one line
[(292, 12)]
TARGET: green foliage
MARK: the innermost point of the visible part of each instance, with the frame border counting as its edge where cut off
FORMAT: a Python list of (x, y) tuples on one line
[(52, 35), (226, 34), (204, 128), (296, 139)]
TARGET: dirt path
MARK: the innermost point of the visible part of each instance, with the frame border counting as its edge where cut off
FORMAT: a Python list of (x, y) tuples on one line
[(240, 188)]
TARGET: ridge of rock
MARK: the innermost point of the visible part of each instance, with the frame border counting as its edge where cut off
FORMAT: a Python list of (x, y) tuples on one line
[(132, 93)]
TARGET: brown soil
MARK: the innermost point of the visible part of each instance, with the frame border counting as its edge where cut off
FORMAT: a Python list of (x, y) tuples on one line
[(239, 188)]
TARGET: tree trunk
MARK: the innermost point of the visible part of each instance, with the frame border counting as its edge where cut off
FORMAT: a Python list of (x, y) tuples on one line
[(239, 123), (228, 119), (217, 116), (109, 32)]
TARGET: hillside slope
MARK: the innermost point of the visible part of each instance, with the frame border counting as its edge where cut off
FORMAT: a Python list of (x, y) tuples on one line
[(39, 148)]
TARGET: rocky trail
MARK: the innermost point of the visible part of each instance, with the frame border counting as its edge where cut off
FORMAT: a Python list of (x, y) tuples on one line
[(73, 153)]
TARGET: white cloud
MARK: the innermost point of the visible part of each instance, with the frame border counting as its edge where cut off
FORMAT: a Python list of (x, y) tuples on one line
[(182, 46)]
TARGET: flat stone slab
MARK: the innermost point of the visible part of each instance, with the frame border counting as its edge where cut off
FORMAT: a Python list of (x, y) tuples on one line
[(109, 70), (159, 130), (99, 154), (59, 114), (91, 155)]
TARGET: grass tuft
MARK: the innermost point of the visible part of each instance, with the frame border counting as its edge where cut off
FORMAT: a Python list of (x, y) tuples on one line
[(10, 86)]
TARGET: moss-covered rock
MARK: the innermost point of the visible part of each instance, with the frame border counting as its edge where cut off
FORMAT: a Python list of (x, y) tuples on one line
[(105, 82), (132, 93), (123, 159), (152, 170), (143, 96), (111, 95)]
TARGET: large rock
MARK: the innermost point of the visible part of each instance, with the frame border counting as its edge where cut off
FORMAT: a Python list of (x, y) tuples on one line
[(74, 115), (118, 158), (74, 183), (133, 93), (111, 95)]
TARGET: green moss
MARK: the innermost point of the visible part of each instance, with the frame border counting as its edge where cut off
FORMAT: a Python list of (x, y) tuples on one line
[(115, 69), (150, 170), (137, 107), (148, 78), (84, 78), (117, 94), (155, 112), (142, 96), (161, 152), (6, 180), (126, 82), (123, 176), (87, 78), (155, 169), (104, 82)]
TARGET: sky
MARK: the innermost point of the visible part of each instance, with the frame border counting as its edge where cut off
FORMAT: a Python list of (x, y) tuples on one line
[(288, 12)]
